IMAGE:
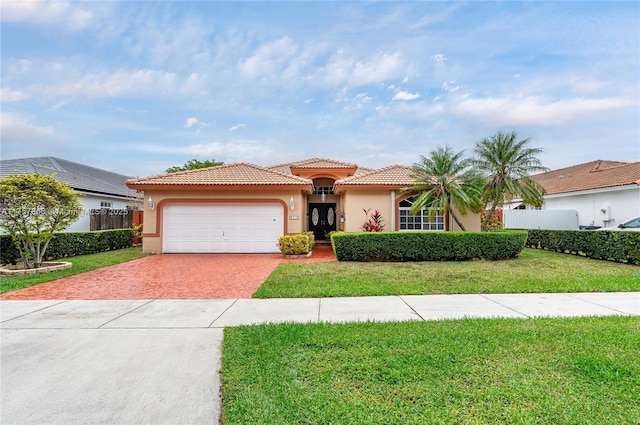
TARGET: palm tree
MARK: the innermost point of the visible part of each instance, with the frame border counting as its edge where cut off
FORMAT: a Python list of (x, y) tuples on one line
[(506, 163), (445, 182)]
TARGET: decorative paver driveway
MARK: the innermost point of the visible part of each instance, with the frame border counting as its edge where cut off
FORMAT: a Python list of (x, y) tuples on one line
[(167, 276)]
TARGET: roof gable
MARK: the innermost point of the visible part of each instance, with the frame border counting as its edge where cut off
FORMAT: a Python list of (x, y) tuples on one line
[(236, 174), (79, 176), (391, 176), (591, 175)]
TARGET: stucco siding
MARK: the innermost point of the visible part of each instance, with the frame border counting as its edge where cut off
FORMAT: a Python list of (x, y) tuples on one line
[(152, 241), (356, 202), (604, 207)]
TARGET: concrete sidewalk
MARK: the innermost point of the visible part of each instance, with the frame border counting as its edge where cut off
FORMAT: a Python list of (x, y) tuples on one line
[(157, 361)]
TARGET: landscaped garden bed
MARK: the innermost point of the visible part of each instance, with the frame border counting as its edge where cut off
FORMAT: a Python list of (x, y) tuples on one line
[(46, 267)]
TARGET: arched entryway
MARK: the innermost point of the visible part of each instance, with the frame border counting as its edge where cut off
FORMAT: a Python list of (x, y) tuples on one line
[(322, 209)]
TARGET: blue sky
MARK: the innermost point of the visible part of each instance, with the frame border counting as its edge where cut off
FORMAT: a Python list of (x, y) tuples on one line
[(136, 87)]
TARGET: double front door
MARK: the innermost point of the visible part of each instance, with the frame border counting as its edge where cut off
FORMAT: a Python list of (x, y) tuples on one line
[(322, 220)]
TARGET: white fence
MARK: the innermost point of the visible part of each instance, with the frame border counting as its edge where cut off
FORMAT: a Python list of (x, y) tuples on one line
[(541, 219)]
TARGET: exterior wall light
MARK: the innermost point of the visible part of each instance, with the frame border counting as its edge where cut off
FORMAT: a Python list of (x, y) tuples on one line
[(292, 204), (151, 204), (323, 196)]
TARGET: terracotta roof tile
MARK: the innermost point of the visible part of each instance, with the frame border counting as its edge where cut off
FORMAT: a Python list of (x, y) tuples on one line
[(393, 175), (237, 174), (591, 175), (322, 163)]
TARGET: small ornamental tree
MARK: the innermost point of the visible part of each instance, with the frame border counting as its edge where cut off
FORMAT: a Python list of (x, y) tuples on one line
[(373, 224), (32, 208)]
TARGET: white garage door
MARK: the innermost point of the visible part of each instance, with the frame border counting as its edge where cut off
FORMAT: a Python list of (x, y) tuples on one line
[(219, 228)]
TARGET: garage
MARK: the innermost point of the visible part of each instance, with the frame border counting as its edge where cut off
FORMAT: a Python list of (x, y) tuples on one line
[(222, 227)]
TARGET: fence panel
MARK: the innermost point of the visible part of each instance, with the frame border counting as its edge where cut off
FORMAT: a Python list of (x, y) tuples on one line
[(107, 219), (541, 219)]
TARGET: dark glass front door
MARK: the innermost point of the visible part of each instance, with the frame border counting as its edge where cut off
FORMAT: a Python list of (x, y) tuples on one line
[(322, 220)]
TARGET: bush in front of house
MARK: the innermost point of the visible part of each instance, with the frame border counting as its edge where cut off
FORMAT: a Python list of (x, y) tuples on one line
[(71, 244), (312, 240), (428, 246), (619, 246), (298, 244)]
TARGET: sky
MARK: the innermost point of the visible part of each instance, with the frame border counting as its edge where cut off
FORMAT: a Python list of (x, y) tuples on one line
[(136, 87)]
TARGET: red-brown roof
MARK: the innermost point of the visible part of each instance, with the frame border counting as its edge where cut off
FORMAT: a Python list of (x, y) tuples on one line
[(315, 163), (591, 175), (246, 175), (237, 174), (393, 175)]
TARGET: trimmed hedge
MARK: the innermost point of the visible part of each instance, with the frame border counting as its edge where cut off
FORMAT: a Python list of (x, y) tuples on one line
[(70, 244), (298, 244), (428, 246), (619, 246)]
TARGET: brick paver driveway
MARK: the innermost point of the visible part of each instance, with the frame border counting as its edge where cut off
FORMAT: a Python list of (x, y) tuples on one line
[(167, 276)]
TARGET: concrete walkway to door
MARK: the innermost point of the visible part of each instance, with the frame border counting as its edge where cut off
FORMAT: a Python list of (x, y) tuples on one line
[(168, 276)]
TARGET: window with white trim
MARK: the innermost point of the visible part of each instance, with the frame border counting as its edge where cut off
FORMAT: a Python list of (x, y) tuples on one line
[(419, 221)]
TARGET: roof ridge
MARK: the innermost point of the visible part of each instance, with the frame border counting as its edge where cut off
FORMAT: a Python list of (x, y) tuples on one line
[(235, 167), (333, 161), (608, 166)]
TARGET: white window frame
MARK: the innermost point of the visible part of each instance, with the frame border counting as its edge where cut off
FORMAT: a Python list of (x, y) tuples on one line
[(437, 225)]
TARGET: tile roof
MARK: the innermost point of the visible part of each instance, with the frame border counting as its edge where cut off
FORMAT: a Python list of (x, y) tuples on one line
[(312, 163), (79, 176), (393, 175), (236, 174), (591, 175), (322, 163)]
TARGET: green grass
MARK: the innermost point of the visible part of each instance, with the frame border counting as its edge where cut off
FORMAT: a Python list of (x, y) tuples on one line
[(482, 371), (532, 271), (81, 264)]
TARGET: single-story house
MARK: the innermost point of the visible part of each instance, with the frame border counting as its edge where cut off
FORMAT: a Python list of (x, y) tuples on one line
[(604, 193), (98, 189), (242, 207)]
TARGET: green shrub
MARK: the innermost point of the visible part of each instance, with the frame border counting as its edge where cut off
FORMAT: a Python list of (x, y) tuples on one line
[(619, 246), (312, 240), (298, 244), (71, 244), (428, 246)]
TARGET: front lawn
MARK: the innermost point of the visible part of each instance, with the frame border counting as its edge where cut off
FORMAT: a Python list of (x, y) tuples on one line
[(81, 264), (515, 371), (532, 271)]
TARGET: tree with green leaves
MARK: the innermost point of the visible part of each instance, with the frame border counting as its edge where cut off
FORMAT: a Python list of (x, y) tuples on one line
[(506, 164), (194, 164), (32, 208), (445, 182)]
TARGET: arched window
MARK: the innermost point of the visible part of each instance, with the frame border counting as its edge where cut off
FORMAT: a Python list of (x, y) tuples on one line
[(419, 221)]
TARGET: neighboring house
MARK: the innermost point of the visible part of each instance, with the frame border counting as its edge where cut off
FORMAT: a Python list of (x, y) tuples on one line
[(604, 193), (243, 207), (98, 189)]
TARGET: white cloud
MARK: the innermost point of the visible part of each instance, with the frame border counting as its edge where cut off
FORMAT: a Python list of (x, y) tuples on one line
[(404, 95), (8, 95), (73, 16), (376, 69), (118, 83), (17, 129), (537, 110), (269, 58), (190, 122), (237, 127), (439, 58), (450, 86)]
